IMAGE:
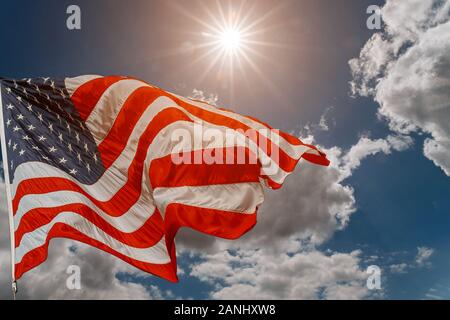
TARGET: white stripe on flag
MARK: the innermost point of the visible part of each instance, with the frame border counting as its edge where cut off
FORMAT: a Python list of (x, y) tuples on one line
[(72, 84), (37, 238)]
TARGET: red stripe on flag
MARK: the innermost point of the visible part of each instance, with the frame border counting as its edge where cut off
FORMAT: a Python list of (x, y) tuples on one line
[(86, 96), (165, 173), (111, 148), (60, 230), (223, 224), (146, 236), (119, 203)]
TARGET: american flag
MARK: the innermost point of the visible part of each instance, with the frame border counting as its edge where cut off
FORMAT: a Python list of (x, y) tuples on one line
[(90, 159)]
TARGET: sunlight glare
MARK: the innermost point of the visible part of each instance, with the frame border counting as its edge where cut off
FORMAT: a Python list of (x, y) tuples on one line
[(230, 40)]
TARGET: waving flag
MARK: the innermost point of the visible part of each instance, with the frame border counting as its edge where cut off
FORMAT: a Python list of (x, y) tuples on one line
[(107, 161)]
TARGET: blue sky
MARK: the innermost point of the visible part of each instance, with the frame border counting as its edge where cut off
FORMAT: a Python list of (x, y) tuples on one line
[(402, 198)]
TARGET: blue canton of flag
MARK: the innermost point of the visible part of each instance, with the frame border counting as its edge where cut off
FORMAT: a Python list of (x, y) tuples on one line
[(42, 125)]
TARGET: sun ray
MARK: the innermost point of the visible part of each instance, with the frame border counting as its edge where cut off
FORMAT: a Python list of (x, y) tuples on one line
[(270, 85), (209, 67), (263, 18)]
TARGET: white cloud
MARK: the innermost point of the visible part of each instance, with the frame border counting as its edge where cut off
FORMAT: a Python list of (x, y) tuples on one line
[(439, 153), (200, 95), (423, 256), (257, 274), (323, 125), (420, 260), (368, 147), (406, 69), (399, 268)]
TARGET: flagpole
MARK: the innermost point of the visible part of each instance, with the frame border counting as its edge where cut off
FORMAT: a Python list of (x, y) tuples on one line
[(8, 196)]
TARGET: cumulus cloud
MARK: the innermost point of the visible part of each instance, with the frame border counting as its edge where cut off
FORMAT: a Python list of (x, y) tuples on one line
[(406, 69), (368, 147), (245, 274)]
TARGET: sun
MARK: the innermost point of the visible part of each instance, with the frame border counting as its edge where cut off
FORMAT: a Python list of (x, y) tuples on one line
[(231, 40), (227, 41)]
